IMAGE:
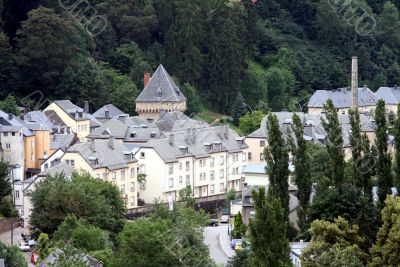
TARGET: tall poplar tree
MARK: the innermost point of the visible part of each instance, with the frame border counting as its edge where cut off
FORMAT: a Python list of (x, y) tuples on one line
[(277, 158), (366, 166), (396, 131), (383, 167), (356, 146), (335, 143), (269, 244), (302, 163)]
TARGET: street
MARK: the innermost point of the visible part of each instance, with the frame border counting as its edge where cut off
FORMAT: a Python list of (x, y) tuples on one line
[(218, 242), (5, 237)]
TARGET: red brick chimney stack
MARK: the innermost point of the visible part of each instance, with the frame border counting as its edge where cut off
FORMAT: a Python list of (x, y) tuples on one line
[(146, 78)]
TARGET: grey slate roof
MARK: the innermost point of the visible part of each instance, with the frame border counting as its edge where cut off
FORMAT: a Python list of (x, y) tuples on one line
[(60, 168), (163, 82), (198, 143), (113, 156), (52, 258), (177, 121), (62, 141), (35, 119), (342, 98), (391, 95), (113, 112)]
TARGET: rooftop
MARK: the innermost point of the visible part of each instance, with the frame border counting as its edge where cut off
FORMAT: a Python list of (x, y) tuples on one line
[(342, 98)]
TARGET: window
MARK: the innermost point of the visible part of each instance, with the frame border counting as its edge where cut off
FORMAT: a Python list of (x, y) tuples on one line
[(249, 156), (212, 189), (212, 162), (32, 157), (8, 146), (187, 179), (171, 169), (72, 163), (221, 173), (17, 194), (133, 201), (221, 160), (98, 176), (5, 134), (204, 176), (142, 186), (132, 186), (132, 172), (243, 156), (123, 175), (262, 143), (204, 190), (142, 155), (261, 156), (222, 187), (187, 166), (211, 175), (13, 133), (122, 189), (113, 176), (180, 165), (344, 112), (180, 179), (46, 166), (171, 182), (204, 162), (201, 176)]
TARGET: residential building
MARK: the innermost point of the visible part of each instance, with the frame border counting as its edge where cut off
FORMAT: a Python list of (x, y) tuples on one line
[(12, 150), (64, 112), (37, 149), (342, 100), (108, 160), (313, 132), (160, 93), (391, 96), (210, 160), (107, 112)]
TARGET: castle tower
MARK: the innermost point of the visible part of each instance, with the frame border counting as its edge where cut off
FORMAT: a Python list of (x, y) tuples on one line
[(160, 93)]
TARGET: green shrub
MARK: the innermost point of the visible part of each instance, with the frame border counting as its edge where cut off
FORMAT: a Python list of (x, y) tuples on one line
[(7, 209)]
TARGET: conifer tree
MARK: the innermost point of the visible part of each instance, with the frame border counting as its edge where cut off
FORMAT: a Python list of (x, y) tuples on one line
[(239, 109), (302, 165), (356, 146), (396, 131), (268, 232), (277, 159), (366, 166), (335, 143), (383, 167)]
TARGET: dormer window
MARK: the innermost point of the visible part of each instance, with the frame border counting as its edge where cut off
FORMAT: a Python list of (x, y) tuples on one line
[(133, 134), (159, 92), (153, 134)]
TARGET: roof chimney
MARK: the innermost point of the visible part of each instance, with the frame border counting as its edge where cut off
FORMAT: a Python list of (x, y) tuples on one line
[(171, 139), (92, 145), (10, 116), (86, 106), (146, 78), (354, 82), (111, 142)]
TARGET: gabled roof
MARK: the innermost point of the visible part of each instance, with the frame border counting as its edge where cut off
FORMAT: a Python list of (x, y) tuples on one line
[(113, 112), (161, 88), (391, 95), (342, 98), (177, 121), (67, 106)]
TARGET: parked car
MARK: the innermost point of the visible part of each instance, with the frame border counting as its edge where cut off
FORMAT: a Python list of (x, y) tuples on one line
[(235, 242), (224, 218), (24, 247), (213, 222)]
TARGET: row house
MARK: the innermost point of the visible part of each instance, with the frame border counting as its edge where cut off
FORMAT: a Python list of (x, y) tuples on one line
[(107, 160), (210, 160), (313, 132)]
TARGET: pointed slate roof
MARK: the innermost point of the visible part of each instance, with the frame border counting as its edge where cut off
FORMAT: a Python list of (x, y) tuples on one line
[(161, 88)]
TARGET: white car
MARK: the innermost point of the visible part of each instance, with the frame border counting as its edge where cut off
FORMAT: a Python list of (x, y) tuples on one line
[(24, 247), (224, 219), (31, 242)]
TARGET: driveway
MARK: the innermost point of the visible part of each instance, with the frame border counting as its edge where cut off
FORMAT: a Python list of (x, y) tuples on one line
[(217, 240)]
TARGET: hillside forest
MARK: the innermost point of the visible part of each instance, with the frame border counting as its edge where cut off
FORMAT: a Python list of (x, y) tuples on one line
[(272, 53)]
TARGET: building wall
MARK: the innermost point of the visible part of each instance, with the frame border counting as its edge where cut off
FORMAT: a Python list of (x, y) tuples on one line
[(13, 152), (75, 126), (29, 147), (152, 109), (126, 183), (256, 179), (255, 150), (42, 146), (55, 155), (156, 172), (343, 111)]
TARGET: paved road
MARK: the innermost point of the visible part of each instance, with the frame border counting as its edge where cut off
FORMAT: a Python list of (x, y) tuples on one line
[(217, 240), (5, 237)]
